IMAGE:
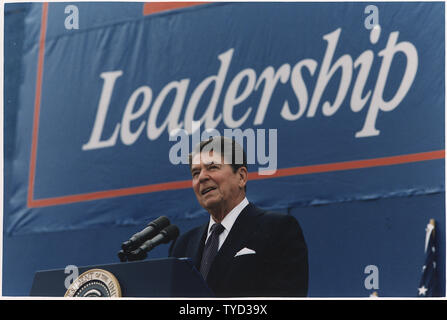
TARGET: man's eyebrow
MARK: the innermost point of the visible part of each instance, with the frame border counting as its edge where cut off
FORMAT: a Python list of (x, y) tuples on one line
[(205, 164), (195, 169), (212, 162)]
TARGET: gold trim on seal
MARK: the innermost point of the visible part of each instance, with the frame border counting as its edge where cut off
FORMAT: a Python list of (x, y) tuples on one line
[(107, 278)]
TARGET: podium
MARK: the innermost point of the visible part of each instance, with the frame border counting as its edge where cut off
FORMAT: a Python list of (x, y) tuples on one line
[(161, 278)]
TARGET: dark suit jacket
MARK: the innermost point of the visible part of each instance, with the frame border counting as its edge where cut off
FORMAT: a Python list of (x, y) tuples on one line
[(279, 267)]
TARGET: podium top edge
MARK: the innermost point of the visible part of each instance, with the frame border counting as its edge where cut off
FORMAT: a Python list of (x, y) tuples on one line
[(105, 265)]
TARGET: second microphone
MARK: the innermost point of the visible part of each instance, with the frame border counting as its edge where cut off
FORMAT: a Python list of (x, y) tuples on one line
[(147, 233)]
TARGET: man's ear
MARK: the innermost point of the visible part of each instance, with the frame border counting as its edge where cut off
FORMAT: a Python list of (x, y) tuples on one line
[(243, 175)]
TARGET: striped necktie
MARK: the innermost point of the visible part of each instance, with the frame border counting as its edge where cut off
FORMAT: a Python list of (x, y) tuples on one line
[(210, 250)]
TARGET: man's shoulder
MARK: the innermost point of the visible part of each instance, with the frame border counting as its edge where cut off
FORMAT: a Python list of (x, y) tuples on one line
[(274, 222), (269, 216), (190, 234), (181, 245)]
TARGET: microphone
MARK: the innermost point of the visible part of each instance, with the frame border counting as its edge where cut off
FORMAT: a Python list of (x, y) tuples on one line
[(167, 234), (122, 255), (150, 231)]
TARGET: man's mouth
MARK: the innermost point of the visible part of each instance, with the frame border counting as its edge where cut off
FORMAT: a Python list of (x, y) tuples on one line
[(206, 190)]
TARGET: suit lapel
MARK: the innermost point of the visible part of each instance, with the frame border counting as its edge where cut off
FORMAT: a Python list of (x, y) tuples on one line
[(197, 244), (238, 234)]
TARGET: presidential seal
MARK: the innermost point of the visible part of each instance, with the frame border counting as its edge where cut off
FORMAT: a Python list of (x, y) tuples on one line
[(95, 283)]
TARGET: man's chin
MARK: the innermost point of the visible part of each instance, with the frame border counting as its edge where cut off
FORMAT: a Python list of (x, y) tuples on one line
[(209, 204)]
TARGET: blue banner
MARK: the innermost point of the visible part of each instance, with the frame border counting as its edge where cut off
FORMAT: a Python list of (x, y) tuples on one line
[(343, 104)]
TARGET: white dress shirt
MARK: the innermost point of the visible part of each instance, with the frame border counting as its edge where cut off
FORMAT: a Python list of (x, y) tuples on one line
[(227, 222)]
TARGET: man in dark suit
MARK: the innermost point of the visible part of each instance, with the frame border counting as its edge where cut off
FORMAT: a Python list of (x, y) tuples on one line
[(242, 250)]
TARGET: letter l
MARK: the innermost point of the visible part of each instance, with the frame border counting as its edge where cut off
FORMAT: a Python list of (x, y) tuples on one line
[(103, 106)]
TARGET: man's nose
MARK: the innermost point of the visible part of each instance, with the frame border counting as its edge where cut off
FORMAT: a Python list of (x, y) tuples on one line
[(203, 176)]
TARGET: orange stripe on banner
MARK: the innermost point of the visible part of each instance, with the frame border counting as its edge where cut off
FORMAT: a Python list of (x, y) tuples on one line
[(348, 165), (154, 7), (112, 193), (37, 99)]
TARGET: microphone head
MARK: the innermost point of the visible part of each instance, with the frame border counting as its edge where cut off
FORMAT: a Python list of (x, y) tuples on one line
[(160, 223), (152, 229), (171, 232), (122, 256)]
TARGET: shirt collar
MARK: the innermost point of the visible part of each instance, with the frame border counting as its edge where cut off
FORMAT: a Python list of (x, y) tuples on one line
[(231, 217)]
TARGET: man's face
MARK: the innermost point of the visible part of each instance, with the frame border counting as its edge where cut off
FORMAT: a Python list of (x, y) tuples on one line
[(215, 184)]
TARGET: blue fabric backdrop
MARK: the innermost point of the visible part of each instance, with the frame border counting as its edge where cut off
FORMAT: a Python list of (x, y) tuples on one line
[(54, 88)]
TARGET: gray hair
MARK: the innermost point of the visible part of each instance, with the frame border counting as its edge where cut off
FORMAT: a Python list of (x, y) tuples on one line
[(231, 151)]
